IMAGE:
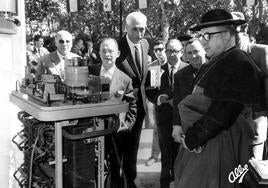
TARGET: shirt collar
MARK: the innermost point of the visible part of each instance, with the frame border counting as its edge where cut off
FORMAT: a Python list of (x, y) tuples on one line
[(131, 44), (60, 56), (107, 73), (176, 66)]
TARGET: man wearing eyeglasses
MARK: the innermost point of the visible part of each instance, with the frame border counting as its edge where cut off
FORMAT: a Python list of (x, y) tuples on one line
[(218, 134), (53, 63), (162, 97), (184, 81)]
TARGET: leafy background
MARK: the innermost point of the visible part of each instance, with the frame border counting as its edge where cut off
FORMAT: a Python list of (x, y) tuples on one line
[(49, 16)]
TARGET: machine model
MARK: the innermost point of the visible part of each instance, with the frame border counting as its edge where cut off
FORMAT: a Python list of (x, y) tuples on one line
[(77, 85), (64, 124)]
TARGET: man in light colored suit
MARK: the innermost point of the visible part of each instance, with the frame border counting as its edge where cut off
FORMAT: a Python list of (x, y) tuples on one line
[(120, 88), (53, 63), (120, 83), (133, 61)]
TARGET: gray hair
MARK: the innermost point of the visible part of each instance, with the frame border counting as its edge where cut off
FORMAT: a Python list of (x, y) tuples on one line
[(136, 16), (64, 33)]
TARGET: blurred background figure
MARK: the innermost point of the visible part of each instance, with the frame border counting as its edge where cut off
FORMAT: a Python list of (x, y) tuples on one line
[(30, 60), (78, 46), (184, 39), (161, 59), (39, 50), (259, 54), (89, 52)]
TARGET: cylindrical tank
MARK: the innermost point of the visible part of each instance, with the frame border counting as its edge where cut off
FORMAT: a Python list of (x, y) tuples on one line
[(76, 76)]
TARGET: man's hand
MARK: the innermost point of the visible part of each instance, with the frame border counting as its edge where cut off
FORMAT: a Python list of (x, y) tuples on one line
[(123, 127), (163, 98), (177, 133), (197, 150)]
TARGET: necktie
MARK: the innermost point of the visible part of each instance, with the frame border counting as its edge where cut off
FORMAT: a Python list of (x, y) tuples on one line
[(171, 76), (137, 58)]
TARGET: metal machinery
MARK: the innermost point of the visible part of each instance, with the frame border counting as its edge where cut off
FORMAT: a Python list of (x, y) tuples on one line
[(64, 124), (77, 85)]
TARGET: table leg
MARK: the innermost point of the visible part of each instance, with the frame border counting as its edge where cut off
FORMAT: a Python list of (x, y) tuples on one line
[(58, 154)]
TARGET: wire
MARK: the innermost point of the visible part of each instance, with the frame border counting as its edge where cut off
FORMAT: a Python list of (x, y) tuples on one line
[(32, 156)]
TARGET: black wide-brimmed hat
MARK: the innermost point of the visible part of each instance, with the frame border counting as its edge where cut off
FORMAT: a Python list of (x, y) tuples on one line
[(217, 17), (185, 37)]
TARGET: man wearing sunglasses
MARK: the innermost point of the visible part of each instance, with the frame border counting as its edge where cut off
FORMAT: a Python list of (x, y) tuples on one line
[(53, 63), (218, 138), (154, 72)]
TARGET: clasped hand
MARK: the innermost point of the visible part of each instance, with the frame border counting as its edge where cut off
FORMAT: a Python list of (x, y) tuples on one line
[(179, 136)]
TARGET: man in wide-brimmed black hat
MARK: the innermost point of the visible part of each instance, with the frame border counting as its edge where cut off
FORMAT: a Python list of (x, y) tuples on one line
[(217, 137)]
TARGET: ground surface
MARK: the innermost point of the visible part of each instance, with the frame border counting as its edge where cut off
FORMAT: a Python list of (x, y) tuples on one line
[(148, 177)]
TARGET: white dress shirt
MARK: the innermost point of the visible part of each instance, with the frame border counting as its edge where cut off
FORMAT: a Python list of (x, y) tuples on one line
[(107, 73), (132, 48)]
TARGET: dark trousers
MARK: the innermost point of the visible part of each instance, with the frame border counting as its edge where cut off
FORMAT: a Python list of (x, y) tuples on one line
[(127, 144), (168, 147)]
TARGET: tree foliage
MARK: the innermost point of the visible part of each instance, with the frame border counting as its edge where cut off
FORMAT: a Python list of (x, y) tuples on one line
[(91, 18)]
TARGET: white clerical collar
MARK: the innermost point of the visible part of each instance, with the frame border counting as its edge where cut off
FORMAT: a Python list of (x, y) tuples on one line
[(107, 73)]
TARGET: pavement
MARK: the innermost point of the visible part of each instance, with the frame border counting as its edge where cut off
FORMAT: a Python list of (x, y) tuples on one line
[(147, 177)]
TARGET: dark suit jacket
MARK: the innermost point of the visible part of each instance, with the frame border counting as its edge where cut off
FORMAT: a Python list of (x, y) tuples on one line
[(232, 82), (121, 82), (183, 86), (126, 63), (164, 111), (259, 53)]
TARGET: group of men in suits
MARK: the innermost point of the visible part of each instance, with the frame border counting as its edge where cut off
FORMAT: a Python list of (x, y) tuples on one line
[(126, 64)]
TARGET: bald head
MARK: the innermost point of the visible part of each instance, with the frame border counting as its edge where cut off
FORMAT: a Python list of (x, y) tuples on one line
[(174, 51), (109, 52), (63, 42), (175, 42)]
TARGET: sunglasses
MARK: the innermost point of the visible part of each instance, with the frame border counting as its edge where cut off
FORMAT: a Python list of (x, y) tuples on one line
[(64, 41), (207, 36), (158, 49)]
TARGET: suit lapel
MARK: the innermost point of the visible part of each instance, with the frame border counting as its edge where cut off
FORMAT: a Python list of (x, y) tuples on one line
[(131, 60), (165, 75), (55, 58)]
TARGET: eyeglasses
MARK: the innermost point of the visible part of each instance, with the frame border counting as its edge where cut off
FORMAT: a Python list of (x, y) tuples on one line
[(158, 49), (173, 51), (206, 36), (64, 41), (193, 52)]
